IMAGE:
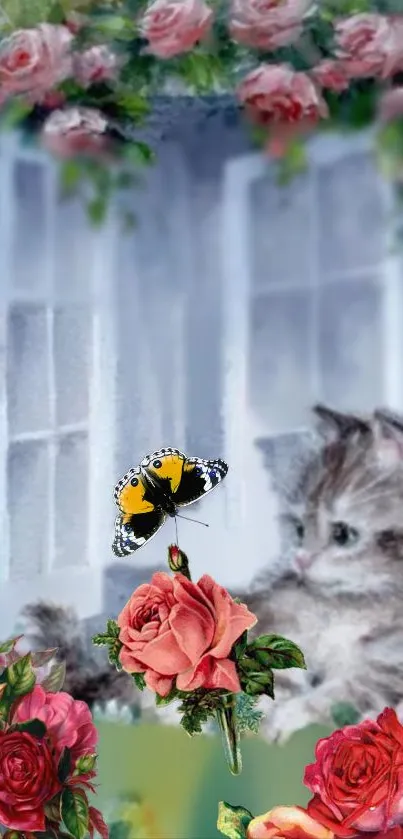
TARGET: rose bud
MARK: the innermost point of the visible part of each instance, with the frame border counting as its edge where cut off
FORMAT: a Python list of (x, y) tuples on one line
[(178, 561)]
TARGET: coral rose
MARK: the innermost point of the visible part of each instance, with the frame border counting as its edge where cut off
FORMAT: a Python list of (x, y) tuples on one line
[(357, 778), (267, 24), (179, 632), (287, 823), (173, 27), (28, 780), (35, 60), (68, 721), (369, 45), (331, 75), (97, 64), (76, 131)]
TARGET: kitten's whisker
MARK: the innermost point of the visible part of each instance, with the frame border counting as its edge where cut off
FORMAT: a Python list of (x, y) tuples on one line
[(371, 484), (196, 521), (374, 497)]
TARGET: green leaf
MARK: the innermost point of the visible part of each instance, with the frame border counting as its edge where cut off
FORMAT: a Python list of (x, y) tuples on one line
[(64, 766), (344, 714), (71, 174), (138, 153), (240, 645), (74, 812), (43, 657), (135, 106), (197, 708), (8, 646), (13, 834), (97, 209), (56, 14), (276, 652), (35, 727), (139, 680), (20, 676), (55, 680), (85, 764), (248, 716), (110, 639), (233, 821)]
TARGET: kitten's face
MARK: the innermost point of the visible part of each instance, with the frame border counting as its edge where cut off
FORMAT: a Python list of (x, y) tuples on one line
[(348, 537)]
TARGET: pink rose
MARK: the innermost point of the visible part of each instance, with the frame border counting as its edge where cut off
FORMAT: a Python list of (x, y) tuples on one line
[(173, 27), (178, 632), (390, 106), (370, 45), (97, 64), (76, 131), (267, 24), (286, 823), (357, 777), (330, 75), (276, 94), (35, 60), (68, 721)]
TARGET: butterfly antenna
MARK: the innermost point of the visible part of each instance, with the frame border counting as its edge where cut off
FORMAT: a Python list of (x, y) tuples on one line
[(196, 521)]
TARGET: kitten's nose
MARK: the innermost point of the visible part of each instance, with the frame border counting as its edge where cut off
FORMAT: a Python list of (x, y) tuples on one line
[(303, 559)]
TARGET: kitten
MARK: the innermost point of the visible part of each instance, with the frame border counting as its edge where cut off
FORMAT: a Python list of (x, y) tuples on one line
[(342, 599)]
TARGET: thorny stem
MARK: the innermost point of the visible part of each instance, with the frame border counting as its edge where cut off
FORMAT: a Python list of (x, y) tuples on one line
[(226, 717)]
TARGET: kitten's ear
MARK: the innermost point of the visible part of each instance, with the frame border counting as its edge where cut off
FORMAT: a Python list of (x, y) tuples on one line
[(333, 425), (388, 436)]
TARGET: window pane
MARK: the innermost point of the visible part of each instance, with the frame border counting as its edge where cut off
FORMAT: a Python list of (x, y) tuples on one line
[(27, 370), (72, 331), (280, 361), (74, 243), (28, 494), (71, 501), (350, 346), (281, 218), (352, 224), (29, 234)]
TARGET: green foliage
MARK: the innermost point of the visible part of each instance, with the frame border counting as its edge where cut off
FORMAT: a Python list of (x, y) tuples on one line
[(74, 812), (344, 714), (55, 680), (233, 821), (64, 767), (110, 639), (197, 707), (248, 717), (34, 727), (257, 660)]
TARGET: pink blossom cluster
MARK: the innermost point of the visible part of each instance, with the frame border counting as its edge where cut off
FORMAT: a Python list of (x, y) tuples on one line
[(34, 62)]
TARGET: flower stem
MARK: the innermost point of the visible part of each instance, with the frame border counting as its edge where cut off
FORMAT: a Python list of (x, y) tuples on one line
[(226, 718)]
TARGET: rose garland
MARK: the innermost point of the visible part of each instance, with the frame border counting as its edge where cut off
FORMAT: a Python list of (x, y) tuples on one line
[(356, 781), (47, 751), (83, 82), (188, 642)]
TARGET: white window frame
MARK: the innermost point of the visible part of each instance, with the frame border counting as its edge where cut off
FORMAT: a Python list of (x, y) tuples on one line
[(236, 264), (80, 586)]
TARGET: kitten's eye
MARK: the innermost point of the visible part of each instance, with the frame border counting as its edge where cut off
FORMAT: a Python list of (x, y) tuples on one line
[(300, 530), (343, 534)]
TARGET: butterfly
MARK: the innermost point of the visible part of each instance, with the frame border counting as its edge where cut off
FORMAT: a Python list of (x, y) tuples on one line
[(149, 493)]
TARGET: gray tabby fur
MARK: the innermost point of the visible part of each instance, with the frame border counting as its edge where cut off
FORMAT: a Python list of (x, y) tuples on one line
[(344, 608)]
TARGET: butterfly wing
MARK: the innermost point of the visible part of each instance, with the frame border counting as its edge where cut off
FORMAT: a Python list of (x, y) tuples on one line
[(139, 519), (165, 469), (198, 478)]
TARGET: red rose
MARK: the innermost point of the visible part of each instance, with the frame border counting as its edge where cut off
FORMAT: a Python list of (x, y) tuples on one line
[(28, 780), (370, 44), (357, 779), (178, 632)]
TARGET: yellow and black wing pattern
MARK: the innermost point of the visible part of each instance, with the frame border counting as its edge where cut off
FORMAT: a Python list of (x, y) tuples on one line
[(165, 479)]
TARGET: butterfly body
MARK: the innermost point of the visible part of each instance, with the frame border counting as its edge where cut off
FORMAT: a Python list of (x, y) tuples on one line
[(165, 481)]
